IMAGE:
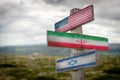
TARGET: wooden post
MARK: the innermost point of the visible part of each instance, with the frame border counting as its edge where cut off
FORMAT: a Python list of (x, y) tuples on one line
[(77, 74)]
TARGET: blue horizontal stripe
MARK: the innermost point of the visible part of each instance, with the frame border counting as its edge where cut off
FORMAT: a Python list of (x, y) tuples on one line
[(77, 56), (77, 67), (61, 23)]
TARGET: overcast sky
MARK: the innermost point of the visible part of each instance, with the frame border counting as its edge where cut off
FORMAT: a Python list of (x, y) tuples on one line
[(24, 22)]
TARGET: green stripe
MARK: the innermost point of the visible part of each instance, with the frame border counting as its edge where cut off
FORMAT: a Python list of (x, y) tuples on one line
[(71, 35)]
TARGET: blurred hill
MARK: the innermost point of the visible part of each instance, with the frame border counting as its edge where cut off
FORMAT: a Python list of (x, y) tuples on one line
[(44, 49), (31, 49)]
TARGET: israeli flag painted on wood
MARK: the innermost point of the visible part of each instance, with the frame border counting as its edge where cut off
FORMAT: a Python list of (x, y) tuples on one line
[(85, 60)]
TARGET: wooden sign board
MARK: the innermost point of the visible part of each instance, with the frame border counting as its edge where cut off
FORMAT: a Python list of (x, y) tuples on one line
[(85, 60), (75, 20), (75, 41)]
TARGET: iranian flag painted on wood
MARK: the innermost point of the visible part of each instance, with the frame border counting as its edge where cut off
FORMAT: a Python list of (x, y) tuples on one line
[(75, 41)]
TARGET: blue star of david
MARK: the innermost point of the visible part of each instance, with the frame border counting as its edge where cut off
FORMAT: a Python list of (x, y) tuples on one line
[(72, 62)]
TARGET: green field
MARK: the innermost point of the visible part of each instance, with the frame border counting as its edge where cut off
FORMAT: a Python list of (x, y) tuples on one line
[(21, 67)]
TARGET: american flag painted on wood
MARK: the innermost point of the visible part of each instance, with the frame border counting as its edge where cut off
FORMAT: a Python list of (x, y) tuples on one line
[(75, 41), (81, 17)]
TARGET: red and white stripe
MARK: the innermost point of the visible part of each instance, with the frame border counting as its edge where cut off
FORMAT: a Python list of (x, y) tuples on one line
[(79, 18)]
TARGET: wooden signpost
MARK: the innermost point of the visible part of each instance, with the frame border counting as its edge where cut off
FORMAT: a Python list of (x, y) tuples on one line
[(77, 41), (77, 74)]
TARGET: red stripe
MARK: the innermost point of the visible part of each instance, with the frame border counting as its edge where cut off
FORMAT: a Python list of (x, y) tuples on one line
[(105, 48), (77, 46)]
